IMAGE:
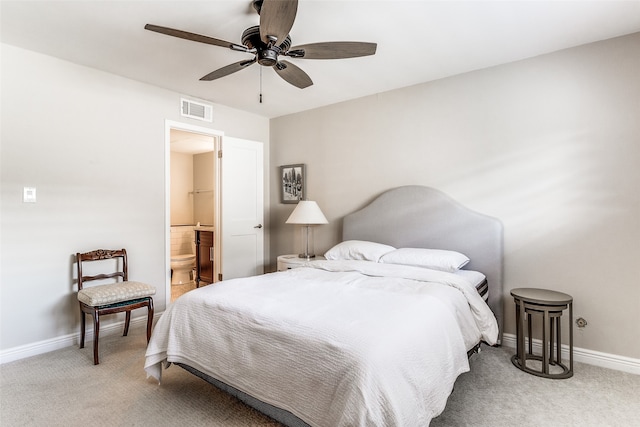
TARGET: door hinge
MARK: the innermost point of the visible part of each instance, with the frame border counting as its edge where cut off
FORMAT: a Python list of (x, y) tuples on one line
[(220, 154), (219, 277)]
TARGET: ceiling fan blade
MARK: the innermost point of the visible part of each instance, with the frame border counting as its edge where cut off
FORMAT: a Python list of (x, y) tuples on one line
[(276, 19), (194, 37), (332, 50), (229, 69), (292, 74)]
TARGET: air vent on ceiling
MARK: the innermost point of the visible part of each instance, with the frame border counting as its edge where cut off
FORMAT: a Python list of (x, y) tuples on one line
[(196, 110)]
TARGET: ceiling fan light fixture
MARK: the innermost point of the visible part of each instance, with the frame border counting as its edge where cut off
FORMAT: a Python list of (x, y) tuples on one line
[(267, 57)]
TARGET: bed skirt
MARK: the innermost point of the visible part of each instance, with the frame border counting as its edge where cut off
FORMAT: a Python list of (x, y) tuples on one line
[(278, 414)]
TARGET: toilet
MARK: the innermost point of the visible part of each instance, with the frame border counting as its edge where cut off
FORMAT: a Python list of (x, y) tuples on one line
[(183, 258), (182, 265)]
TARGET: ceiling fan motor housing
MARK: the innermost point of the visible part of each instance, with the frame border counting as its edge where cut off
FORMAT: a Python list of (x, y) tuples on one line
[(266, 55)]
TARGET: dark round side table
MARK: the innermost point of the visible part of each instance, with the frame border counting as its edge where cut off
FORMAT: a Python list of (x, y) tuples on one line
[(549, 305)]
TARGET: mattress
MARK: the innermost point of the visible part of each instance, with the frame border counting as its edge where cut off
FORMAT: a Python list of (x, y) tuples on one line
[(478, 280)]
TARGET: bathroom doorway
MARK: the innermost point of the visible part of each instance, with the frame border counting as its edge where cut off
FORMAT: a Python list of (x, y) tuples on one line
[(238, 203), (192, 190)]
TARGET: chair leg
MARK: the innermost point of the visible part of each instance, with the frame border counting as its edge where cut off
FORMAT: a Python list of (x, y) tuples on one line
[(82, 327), (127, 320), (149, 319), (96, 336)]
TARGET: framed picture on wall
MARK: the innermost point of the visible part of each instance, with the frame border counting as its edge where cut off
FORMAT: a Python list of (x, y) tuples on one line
[(293, 181)]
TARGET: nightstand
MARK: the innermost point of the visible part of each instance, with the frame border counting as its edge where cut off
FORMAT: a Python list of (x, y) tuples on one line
[(549, 305), (287, 262)]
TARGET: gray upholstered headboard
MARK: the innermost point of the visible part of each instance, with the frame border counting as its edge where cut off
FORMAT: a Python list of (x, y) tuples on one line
[(422, 217)]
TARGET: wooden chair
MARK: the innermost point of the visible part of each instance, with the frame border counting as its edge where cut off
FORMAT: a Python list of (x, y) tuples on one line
[(111, 297)]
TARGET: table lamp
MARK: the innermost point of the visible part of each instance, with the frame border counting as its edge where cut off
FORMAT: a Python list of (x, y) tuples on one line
[(307, 213)]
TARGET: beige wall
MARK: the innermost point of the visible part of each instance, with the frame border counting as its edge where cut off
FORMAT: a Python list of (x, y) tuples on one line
[(182, 174), (549, 145), (93, 144), (203, 180), (191, 172)]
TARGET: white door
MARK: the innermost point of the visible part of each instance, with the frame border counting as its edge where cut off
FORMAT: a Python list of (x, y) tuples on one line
[(242, 208)]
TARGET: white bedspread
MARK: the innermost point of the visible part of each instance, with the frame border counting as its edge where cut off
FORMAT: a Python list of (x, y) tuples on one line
[(345, 343)]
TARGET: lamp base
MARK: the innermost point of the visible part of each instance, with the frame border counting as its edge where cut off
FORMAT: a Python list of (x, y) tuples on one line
[(307, 256)]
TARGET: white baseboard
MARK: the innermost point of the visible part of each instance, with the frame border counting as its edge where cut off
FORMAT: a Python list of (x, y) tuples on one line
[(590, 357), (40, 347)]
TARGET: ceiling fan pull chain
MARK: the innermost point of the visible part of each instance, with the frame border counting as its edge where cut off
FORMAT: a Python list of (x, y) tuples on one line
[(260, 85)]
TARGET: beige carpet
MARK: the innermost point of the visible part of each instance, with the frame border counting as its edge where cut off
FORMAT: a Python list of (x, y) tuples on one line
[(64, 388)]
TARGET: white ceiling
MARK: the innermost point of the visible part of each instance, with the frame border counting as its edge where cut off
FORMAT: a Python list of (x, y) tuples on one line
[(190, 142), (417, 41)]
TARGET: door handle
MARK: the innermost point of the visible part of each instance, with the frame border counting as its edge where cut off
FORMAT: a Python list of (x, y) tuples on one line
[(258, 226)]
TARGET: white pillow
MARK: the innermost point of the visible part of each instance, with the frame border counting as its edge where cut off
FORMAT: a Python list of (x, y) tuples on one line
[(435, 259), (358, 250)]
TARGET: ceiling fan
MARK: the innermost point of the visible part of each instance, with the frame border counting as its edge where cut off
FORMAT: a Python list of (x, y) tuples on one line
[(270, 40)]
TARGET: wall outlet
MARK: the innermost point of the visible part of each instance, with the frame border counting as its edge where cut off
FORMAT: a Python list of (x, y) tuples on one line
[(581, 322)]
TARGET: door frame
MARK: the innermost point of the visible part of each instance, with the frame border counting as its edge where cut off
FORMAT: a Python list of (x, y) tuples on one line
[(217, 137)]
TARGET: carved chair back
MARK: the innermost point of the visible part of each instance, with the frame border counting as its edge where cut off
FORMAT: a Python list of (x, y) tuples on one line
[(120, 268)]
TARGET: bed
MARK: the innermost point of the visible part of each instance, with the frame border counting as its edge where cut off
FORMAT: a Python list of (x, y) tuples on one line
[(359, 339)]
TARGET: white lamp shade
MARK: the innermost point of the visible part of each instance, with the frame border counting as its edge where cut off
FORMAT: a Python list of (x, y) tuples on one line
[(307, 212)]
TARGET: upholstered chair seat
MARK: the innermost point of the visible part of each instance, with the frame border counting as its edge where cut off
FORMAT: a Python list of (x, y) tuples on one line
[(113, 293)]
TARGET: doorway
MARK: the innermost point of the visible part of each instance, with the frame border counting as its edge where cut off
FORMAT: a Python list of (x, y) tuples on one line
[(192, 190), (238, 198)]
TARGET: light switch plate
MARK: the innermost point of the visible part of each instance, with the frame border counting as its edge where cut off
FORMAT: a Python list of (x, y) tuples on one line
[(29, 195)]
